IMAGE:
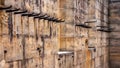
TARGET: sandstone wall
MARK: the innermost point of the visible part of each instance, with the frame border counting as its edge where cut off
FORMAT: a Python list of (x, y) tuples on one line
[(34, 40)]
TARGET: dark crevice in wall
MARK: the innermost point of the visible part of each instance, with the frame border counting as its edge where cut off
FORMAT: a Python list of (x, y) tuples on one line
[(10, 26)]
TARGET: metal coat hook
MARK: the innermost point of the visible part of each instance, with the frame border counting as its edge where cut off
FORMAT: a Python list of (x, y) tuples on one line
[(49, 18), (102, 30), (83, 25), (20, 12), (108, 31), (30, 14), (41, 15), (102, 26), (5, 8), (33, 15), (26, 14), (54, 19), (45, 17), (92, 48), (12, 10), (91, 21), (105, 29), (60, 20)]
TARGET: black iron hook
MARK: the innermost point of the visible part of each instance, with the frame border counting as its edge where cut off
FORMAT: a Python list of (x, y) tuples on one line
[(41, 15), (102, 26), (33, 15), (12, 10), (102, 30), (26, 14), (49, 18), (83, 25), (21, 12), (60, 20), (54, 19), (92, 48), (45, 17), (5, 8)]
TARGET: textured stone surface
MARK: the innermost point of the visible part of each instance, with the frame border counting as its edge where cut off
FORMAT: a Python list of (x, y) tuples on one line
[(28, 42)]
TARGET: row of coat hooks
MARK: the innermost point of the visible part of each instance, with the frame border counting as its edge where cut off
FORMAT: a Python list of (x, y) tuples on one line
[(102, 28), (50, 18), (35, 15)]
